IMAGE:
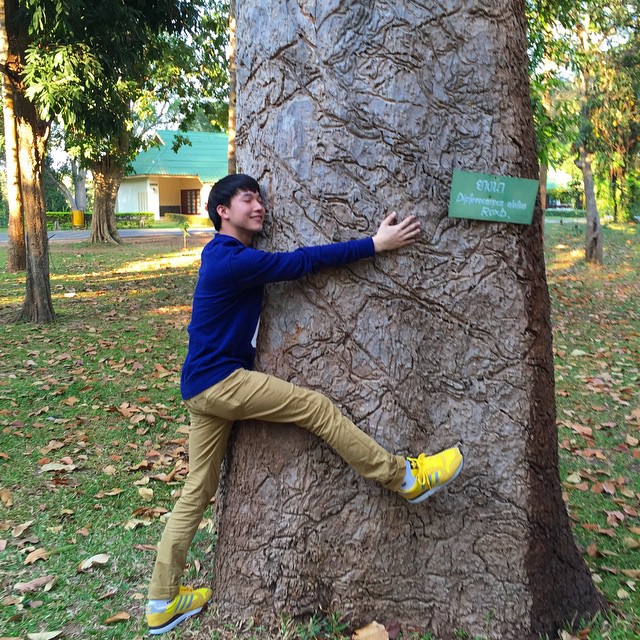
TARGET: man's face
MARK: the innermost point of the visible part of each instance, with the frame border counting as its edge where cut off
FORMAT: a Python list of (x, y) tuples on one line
[(244, 216)]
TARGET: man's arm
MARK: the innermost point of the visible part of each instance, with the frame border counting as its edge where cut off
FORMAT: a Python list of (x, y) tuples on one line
[(392, 236)]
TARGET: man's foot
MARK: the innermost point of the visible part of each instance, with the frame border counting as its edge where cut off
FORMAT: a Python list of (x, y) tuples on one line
[(188, 602), (431, 473)]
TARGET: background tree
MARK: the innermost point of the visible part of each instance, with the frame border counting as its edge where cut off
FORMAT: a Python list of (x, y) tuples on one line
[(345, 114), (31, 133), (16, 255), (585, 47), (95, 66)]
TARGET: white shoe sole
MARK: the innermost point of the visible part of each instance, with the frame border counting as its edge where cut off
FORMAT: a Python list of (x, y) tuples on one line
[(174, 623), (427, 494)]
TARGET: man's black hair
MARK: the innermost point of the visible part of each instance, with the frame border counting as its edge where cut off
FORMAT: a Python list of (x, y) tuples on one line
[(223, 190)]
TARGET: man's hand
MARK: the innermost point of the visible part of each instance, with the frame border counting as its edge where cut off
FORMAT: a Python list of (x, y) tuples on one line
[(392, 236)]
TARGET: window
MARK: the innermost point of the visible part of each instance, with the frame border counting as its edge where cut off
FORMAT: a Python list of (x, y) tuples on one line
[(190, 201)]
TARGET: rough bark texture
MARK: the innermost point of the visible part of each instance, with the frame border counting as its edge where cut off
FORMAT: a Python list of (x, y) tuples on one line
[(348, 110), (231, 124), (107, 176), (32, 135), (16, 254), (593, 245)]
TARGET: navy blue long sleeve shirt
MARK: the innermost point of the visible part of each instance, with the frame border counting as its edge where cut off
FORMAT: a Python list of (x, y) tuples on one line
[(228, 299)]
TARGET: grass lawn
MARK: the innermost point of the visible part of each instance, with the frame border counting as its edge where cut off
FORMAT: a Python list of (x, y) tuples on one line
[(92, 434)]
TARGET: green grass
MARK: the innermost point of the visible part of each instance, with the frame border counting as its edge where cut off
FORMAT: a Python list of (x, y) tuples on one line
[(98, 391)]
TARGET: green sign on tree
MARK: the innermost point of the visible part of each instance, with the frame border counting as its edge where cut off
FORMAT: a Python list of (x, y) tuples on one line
[(481, 196)]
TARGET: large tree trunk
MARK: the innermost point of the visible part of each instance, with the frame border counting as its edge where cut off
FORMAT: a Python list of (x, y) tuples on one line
[(348, 112), (16, 255), (593, 231), (107, 176)]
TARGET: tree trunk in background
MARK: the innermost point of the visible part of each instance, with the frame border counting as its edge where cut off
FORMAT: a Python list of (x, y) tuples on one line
[(347, 112), (231, 127), (77, 199), (16, 254), (107, 176), (543, 186), (37, 306), (79, 176), (593, 232), (31, 134)]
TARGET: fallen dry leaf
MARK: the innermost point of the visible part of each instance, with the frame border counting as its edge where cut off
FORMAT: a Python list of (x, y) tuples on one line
[(38, 554), (98, 560), (6, 497), (630, 573), (57, 466), (44, 581), (630, 543), (21, 528), (47, 635), (121, 616), (146, 493), (373, 631)]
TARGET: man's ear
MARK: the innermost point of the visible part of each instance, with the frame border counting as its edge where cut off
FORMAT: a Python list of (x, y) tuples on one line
[(223, 212)]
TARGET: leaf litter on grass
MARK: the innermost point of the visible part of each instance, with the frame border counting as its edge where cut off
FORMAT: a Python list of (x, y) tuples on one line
[(91, 416), (597, 352)]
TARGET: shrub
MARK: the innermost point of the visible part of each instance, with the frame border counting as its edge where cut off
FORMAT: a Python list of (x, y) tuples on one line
[(566, 213), (124, 220), (194, 222)]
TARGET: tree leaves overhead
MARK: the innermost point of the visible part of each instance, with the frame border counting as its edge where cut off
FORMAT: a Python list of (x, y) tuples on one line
[(91, 63)]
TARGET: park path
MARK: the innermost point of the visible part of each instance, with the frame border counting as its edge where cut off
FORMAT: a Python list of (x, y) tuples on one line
[(79, 235)]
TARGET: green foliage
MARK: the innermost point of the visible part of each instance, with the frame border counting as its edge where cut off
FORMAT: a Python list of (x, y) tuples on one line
[(195, 222), (106, 68), (124, 220), (585, 87)]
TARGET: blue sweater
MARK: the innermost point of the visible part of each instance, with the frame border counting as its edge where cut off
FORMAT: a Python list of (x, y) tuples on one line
[(228, 299)]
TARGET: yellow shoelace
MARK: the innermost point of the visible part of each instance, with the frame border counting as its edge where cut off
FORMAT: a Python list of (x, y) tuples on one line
[(421, 469)]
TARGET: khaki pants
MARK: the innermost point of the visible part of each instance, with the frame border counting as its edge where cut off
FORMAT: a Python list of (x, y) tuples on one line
[(250, 395)]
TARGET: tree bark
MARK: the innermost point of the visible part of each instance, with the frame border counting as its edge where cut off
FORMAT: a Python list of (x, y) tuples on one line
[(231, 126), (543, 186), (79, 177), (32, 136), (16, 254), (593, 245), (346, 113), (77, 199), (107, 176)]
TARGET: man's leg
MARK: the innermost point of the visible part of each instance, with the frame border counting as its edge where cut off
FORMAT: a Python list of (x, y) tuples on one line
[(207, 445), (258, 396)]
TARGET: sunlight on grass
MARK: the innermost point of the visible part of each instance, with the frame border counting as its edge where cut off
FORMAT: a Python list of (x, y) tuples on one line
[(173, 261), (565, 258)]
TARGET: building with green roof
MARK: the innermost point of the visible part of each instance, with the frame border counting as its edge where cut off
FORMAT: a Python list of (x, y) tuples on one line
[(164, 181)]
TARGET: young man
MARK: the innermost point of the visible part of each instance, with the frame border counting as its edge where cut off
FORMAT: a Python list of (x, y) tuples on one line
[(219, 386)]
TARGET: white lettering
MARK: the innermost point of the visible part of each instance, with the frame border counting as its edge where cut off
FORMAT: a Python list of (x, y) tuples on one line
[(492, 186), (493, 213)]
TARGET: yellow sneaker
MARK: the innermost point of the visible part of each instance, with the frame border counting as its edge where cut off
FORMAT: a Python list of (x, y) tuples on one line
[(431, 473), (187, 603)]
